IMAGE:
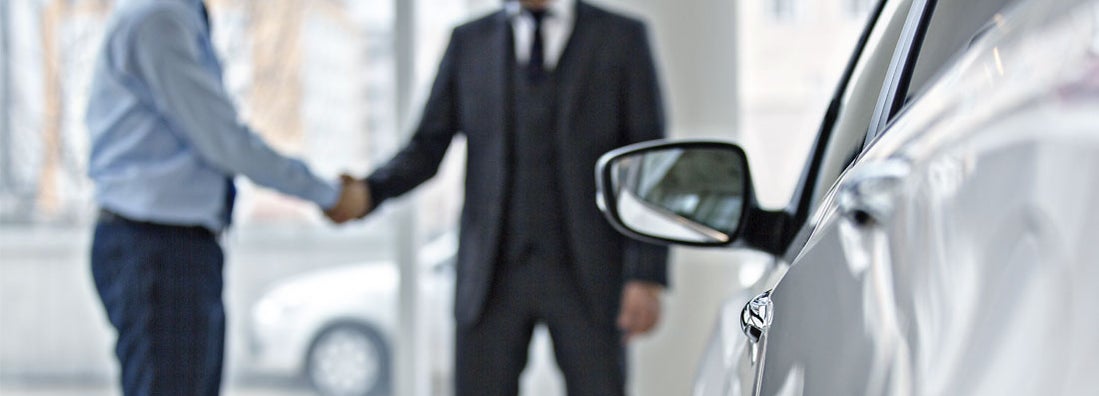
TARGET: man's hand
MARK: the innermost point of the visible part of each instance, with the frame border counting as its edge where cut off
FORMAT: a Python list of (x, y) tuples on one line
[(354, 201), (640, 308)]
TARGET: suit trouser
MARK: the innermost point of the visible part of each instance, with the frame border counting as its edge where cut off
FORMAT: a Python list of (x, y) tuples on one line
[(161, 287), (492, 352)]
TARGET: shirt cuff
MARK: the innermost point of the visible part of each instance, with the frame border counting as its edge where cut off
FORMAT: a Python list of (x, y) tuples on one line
[(325, 194)]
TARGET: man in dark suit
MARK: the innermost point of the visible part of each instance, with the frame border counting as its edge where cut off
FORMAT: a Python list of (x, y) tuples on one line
[(541, 89)]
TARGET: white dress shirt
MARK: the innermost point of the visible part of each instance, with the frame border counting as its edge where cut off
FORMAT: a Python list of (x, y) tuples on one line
[(556, 29)]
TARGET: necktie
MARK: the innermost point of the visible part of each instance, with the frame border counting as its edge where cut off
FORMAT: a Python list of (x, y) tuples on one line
[(537, 65), (230, 187)]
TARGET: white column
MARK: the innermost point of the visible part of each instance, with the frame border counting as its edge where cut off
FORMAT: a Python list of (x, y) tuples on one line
[(5, 99), (409, 378), (696, 48)]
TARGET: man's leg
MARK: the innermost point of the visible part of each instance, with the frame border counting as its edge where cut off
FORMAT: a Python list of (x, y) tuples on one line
[(590, 353), (188, 325), (161, 287), (491, 354), (592, 360), (121, 282)]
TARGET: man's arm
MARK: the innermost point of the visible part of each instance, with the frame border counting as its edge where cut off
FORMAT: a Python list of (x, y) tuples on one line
[(645, 121), (166, 56), (645, 118), (645, 265), (419, 160)]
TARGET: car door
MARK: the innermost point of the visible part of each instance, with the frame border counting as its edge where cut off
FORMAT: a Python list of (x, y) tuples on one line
[(836, 328)]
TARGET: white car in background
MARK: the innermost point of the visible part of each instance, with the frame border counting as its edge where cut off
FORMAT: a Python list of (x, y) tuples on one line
[(337, 326)]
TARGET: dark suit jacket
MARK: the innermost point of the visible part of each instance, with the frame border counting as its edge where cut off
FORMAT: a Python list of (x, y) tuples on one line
[(608, 97)]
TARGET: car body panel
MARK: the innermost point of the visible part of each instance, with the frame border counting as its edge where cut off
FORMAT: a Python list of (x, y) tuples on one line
[(980, 281)]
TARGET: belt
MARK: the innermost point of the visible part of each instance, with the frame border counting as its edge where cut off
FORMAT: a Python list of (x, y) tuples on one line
[(106, 216)]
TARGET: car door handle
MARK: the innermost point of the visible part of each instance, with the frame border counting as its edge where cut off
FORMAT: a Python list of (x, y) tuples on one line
[(868, 197)]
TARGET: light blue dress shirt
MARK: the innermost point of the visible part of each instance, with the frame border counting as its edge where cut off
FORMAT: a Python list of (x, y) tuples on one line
[(164, 135)]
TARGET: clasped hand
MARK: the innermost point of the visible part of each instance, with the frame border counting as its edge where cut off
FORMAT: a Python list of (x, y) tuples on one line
[(354, 202)]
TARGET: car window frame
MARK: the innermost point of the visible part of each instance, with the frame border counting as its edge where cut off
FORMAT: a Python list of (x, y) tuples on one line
[(802, 199), (906, 96), (901, 69), (797, 230)]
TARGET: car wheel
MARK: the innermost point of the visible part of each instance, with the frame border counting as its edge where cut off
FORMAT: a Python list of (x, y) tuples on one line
[(349, 359)]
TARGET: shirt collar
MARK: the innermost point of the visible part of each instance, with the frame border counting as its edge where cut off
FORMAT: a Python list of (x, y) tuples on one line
[(563, 9)]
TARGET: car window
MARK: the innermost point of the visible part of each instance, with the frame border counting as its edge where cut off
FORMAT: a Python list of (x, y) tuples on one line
[(954, 26), (939, 33), (860, 99)]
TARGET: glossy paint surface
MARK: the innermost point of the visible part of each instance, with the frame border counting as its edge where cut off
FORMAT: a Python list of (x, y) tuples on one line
[(977, 272)]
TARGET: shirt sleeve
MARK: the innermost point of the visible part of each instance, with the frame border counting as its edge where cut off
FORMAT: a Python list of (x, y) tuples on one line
[(166, 56)]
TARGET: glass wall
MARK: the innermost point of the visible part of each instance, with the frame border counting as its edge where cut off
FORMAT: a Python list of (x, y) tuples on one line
[(789, 68), (309, 304), (322, 79)]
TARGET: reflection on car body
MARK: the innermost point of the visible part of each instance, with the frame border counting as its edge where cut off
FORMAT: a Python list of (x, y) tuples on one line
[(942, 237)]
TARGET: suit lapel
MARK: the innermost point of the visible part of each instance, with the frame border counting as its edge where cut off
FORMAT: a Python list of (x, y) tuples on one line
[(572, 65), (496, 69)]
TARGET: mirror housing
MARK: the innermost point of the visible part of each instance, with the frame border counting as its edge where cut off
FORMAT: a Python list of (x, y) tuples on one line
[(696, 193), (708, 201)]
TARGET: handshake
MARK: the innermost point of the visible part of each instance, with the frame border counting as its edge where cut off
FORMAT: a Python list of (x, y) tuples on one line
[(354, 202)]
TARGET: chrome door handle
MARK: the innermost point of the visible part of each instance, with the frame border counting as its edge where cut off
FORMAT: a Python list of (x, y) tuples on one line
[(869, 195)]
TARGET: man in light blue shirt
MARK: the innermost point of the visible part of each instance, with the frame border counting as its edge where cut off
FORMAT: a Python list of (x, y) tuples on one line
[(166, 144)]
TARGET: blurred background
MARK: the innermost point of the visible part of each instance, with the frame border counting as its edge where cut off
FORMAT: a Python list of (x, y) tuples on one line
[(338, 83)]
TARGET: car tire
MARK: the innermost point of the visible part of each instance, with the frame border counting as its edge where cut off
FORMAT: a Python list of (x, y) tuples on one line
[(349, 359)]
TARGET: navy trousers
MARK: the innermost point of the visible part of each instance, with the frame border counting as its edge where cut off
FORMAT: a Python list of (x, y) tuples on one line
[(161, 287), (492, 353)]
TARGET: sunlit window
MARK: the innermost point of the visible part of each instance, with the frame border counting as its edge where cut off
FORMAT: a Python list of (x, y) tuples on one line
[(783, 10), (858, 9), (320, 80), (317, 79), (789, 69)]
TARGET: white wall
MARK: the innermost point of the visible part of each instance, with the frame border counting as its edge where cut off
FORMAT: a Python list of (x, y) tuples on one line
[(695, 43), (696, 48)]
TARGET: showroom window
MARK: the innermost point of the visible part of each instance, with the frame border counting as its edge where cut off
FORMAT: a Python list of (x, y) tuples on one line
[(858, 9), (319, 80), (784, 10), (788, 71), (306, 74)]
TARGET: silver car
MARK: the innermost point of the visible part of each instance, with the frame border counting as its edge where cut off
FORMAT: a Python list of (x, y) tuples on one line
[(945, 233), (336, 326)]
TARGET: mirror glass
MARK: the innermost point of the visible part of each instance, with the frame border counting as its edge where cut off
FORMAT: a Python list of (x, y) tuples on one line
[(693, 194)]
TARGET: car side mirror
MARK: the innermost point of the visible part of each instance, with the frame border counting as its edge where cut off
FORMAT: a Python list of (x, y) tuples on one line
[(688, 192)]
